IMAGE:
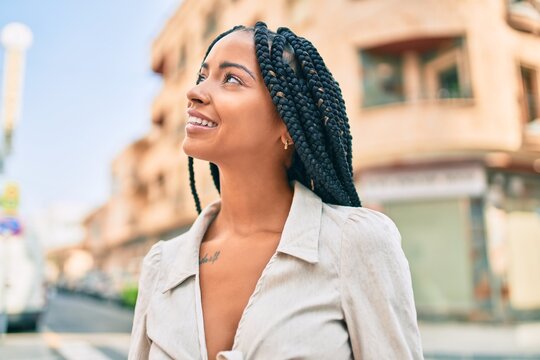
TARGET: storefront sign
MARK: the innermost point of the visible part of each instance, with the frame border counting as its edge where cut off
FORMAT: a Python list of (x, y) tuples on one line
[(388, 185)]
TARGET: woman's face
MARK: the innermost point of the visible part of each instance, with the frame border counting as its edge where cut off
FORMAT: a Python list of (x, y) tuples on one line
[(247, 129)]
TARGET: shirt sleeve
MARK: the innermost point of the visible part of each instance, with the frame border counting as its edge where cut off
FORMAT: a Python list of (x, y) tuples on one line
[(377, 295), (139, 342)]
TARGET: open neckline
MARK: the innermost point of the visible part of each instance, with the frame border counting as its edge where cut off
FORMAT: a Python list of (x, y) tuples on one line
[(245, 311), (252, 297)]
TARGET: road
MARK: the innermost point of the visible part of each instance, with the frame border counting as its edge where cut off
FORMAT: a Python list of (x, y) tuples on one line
[(74, 327), (80, 328)]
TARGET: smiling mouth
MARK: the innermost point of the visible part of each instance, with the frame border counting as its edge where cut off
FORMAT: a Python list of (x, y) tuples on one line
[(201, 122)]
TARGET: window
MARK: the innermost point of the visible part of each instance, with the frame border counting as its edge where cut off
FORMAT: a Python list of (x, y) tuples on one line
[(159, 120), (529, 83), (159, 66), (141, 190), (445, 71), (156, 189), (415, 69), (449, 83), (161, 181), (524, 15), (211, 24), (382, 79), (182, 58)]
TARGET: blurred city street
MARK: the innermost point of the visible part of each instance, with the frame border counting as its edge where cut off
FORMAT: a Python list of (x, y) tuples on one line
[(443, 102), (74, 327), (79, 327)]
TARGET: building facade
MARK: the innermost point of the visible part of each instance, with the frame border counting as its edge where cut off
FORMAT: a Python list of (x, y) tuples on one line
[(443, 102)]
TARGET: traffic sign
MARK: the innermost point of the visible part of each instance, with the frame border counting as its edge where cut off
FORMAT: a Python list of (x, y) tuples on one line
[(10, 225)]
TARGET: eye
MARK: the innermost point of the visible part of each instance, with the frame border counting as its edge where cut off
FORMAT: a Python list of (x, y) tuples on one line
[(200, 78), (229, 76)]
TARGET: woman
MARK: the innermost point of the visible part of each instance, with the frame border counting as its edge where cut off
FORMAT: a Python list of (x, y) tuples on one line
[(286, 264)]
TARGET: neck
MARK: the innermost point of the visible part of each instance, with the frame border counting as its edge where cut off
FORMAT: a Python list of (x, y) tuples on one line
[(253, 200)]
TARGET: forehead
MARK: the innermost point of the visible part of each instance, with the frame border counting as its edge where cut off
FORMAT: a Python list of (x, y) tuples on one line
[(238, 46)]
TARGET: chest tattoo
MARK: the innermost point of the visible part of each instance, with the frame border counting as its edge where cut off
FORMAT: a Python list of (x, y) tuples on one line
[(205, 259)]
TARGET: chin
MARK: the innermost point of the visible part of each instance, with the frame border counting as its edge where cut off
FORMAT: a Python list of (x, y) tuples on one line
[(197, 152)]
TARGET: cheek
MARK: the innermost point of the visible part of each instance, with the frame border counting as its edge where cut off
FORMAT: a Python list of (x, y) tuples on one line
[(249, 125), (251, 121)]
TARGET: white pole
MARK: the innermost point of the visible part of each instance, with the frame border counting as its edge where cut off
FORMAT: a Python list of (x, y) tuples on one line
[(16, 39)]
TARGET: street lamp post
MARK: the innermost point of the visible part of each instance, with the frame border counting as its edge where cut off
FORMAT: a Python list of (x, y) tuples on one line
[(16, 39)]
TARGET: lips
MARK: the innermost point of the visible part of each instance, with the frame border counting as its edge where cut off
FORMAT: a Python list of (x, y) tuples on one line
[(195, 118)]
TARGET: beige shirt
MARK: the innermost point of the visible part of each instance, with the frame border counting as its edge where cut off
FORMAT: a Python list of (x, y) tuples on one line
[(337, 287)]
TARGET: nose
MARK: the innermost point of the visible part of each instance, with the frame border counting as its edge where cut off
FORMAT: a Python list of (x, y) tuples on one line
[(197, 94)]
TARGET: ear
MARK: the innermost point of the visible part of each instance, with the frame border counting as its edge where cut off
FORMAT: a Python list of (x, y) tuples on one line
[(284, 134)]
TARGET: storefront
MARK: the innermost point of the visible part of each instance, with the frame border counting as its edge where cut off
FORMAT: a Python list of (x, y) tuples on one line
[(512, 216), (465, 261)]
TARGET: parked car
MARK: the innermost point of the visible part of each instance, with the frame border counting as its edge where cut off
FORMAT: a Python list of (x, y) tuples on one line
[(23, 293)]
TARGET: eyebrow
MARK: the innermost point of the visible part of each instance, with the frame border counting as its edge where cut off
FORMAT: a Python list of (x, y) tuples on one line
[(226, 64)]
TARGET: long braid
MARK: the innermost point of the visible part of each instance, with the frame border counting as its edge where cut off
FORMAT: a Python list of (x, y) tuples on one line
[(335, 131), (293, 105), (331, 111), (310, 102), (192, 184), (214, 170), (335, 96)]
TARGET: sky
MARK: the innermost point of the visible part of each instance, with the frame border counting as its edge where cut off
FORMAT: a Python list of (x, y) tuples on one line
[(87, 94)]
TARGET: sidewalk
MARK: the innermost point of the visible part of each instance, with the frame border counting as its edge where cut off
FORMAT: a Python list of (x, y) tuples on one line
[(455, 340), (48, 345), (25, 347)]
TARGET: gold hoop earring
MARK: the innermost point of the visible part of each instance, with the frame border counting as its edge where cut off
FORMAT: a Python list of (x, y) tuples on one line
[(286, 143)]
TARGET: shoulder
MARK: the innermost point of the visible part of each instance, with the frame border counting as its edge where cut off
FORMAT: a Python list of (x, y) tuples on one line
[(150, 269), (362, 224), (152, 258), (370, 235), (370, 227), (175, 249), (371, 249)]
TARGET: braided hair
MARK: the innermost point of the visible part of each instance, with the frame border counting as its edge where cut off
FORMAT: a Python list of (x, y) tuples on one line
[(310, 102)]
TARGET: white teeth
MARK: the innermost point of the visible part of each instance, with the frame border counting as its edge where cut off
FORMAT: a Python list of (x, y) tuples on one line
[(203, 122)]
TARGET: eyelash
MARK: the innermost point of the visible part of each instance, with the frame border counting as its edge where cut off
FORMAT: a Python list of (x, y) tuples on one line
[(227, 75)]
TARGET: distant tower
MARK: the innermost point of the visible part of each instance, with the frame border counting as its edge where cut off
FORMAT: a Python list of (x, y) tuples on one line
[(16, 39)]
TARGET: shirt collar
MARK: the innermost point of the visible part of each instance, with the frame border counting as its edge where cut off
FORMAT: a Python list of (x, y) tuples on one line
[(300, 237)]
